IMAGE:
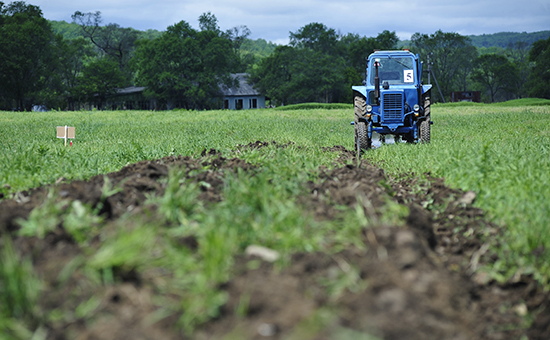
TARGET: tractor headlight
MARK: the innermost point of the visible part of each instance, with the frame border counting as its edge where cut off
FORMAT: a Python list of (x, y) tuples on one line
[(369, 109), (416, 109)]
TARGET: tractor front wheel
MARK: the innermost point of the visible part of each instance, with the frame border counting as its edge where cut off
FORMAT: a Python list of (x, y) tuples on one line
[(425, 124), (362, 138), (424, 130)]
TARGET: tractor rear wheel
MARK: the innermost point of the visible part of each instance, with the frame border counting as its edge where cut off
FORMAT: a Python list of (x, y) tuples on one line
[(362, 141)]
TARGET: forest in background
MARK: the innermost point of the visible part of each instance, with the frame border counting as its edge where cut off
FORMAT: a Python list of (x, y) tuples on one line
[(488, 43), (63, 65)]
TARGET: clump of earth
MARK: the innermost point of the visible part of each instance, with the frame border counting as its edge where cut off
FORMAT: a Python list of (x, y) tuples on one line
[(418, 281)]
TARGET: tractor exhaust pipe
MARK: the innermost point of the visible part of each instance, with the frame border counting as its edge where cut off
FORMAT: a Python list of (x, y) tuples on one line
[(376, 82)]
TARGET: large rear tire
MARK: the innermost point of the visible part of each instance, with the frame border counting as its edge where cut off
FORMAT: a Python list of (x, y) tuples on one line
[(362, 141)]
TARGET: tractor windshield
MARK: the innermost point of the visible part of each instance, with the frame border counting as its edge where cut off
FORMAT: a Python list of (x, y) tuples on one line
[(394, 70)]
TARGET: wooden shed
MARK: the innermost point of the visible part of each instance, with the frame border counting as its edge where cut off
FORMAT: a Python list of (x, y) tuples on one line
[(466, 96)]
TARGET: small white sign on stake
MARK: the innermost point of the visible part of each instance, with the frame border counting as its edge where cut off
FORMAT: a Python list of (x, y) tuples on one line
[(65, 132)]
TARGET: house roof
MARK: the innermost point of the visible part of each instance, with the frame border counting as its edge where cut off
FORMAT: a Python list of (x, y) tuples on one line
[(131, 89), (244, 88)]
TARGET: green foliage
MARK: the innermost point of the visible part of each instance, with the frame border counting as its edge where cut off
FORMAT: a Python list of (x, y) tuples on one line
[(100, 78), (260, 48), (31, 156), (318, 66), (314, 106), (315, 36), (69, 31), (495, 73), (451, 55), (81, 222), (116, 42), (526, 102), (26, 51), (184, 68), (506, 164), (43, 219), (179, 201), (504, 39), (74, 54), (19, 293), (539, 79)]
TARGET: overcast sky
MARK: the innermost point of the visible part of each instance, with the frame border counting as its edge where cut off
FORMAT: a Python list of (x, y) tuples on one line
[(273, 20)]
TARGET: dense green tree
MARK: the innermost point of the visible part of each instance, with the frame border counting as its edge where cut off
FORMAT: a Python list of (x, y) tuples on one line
[(208, 22), (296, 75), (319, 65), (112, 40), (273, 75), (356, 49), (99, 79), (319, 77), (26, 55), (74, 55), (496, 74), (55, 90), (317, 37), (319, 73), (518, 53), (184, 67), (451, 55), (239, 35), (464, 68), (539, 78), (386, 40)]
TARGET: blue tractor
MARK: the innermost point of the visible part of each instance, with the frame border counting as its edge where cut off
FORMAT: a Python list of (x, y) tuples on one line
[(393, 100)]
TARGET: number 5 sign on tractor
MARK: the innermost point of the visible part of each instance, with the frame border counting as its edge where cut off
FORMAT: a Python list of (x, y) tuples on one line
[(408, 76)]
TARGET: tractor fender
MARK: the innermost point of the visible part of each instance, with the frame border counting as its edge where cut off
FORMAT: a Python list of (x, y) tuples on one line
[(360, 89)]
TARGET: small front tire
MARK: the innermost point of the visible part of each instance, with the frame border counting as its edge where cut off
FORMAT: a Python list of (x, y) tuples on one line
[(424, 130), (362, 137)]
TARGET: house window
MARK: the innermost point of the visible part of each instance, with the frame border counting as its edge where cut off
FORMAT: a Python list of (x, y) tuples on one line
[(254, 103), (226, 104), (238, 104)]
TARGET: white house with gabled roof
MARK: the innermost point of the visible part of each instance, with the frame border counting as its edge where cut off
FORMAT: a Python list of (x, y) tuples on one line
[(243, 97)]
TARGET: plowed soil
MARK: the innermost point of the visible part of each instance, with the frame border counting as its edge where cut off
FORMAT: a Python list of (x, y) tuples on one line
[(414, 282)]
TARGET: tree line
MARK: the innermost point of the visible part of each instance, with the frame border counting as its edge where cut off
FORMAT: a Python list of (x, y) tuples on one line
[(183, 67)]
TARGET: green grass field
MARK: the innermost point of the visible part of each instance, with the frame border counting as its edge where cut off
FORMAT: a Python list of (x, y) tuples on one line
[(105, 141), (500, 151)]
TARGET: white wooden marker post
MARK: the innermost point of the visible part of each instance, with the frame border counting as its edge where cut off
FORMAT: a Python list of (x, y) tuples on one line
[(65, 132)]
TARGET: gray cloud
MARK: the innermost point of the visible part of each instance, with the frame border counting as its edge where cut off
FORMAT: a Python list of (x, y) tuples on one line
[(273, 21)]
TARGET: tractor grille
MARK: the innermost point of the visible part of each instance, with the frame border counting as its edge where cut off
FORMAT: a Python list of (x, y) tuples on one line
[(393, 106)]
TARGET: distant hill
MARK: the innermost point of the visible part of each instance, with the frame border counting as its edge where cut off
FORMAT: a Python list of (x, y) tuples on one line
[(259, 47), (67, 30), (501, 40), (72, 30)]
